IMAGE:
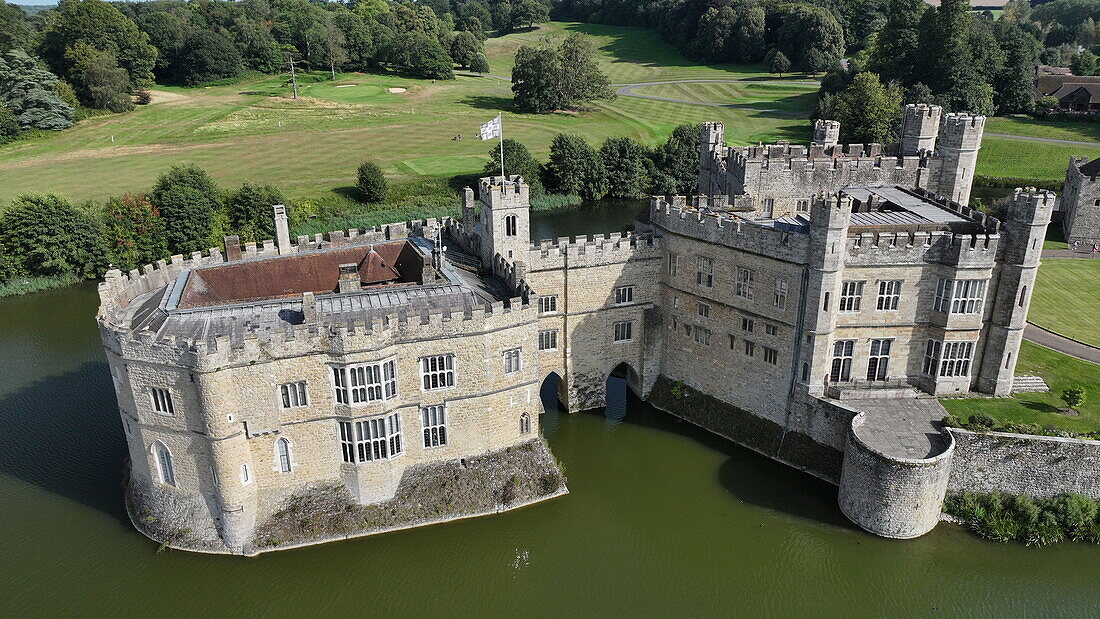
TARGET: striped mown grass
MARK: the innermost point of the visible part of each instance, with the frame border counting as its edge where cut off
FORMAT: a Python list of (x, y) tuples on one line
[(1008, 157), (1067, 299)]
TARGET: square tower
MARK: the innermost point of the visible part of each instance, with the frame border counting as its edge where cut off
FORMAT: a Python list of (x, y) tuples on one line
[(504, 215)]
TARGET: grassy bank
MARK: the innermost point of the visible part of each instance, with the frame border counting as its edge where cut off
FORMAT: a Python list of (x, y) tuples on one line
[(1042, 409), (27, 285), (1035, 522), (1067, 299)]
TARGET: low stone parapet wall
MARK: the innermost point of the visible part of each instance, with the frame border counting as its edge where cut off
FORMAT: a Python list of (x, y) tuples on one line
[(1038, 466)]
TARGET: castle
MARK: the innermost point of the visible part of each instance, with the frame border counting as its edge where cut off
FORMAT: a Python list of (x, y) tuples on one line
[(393, 365), (1080, 204)]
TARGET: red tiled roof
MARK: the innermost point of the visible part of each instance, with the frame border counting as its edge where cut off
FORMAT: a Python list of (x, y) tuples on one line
[(317, 272)]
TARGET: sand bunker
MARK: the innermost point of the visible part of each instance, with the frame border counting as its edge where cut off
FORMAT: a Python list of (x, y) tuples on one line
[(346, 85), (394, 91)]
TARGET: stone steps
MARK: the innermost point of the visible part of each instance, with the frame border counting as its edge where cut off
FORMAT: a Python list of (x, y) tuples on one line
[(1029, 384)]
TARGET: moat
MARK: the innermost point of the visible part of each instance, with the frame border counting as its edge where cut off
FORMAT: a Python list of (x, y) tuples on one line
[(662, 518)]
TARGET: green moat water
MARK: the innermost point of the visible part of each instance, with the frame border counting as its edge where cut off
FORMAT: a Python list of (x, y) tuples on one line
[(662, 519)]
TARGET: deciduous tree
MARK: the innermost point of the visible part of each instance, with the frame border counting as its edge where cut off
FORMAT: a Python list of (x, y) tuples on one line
[(133, 232), (517, 160), (44, 234), (188, 200), (627, 173), (868, 111), (250, 211)]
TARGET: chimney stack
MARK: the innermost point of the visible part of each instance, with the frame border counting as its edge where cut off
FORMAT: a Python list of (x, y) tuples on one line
[(349, 278), (232, 248), (282, 231)]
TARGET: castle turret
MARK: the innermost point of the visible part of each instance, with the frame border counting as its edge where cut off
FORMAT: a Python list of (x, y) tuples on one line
[(829, 219), (826, 132), (1021, 246), (711, 137), (920, 125), (505, 218), (957, 145)]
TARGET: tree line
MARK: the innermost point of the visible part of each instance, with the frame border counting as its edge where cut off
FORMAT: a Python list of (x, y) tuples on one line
[(619, 168), (84, 55), (47, 235)]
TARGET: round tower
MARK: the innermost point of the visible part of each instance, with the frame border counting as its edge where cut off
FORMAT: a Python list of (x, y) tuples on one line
[(957, 148), (826, 132), (920, 125)]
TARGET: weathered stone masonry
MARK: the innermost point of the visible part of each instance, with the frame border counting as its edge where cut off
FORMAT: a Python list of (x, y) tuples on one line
[(776, 324)]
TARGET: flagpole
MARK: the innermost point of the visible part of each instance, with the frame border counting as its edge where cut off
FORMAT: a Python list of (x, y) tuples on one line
[(500, 123)]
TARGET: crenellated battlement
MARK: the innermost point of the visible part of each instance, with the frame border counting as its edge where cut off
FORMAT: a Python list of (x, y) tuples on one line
[(616, 247), (727, 229), (118, 288)]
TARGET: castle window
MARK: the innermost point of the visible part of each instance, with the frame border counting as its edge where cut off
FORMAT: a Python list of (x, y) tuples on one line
[(703, 309), (437, 372), (359, 384), (548, 304), (246, 477), (879, 360), (673, 262), (702, 336), (510, 225), (780, 298), (624, 294), (803, 206), (704, 272), (524, 424), (282, 452), (771, 355), (166, 473), (373, 439), (942, 302), (747, 324), (889, 292), (434, 421), (771, 329), (750, 348), (744, 285), (850, 295), (732, 340), (956, 358), (842, 361), (511, 361), (968, 296), (931, 358), (624, 331), (548, 340), (293, 394), (1023, 296), (162, 401)]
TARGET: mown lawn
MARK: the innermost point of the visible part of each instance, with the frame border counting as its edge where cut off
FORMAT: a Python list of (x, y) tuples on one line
[(1028, 159), (1018, 124), (310, 147), (1060, 372), (1067, 299)]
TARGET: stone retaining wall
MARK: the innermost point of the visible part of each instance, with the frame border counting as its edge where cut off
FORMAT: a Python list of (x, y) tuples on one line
[(1038, 466)]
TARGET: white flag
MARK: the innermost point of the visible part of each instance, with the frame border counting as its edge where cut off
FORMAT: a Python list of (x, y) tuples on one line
[(491, 129)]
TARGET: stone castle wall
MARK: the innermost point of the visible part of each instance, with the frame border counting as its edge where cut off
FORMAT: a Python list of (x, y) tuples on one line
[(1038, 466), (1080, 205)]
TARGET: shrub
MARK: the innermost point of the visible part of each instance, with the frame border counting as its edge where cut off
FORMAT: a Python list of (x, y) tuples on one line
[(951, 421), (371, 182), (981, 421), (143, 97), (1074, 396), (1036, 522)]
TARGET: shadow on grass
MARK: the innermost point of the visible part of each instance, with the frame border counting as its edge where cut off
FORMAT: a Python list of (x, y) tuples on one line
[(1040, 407), (350, 192), (490, 102)]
